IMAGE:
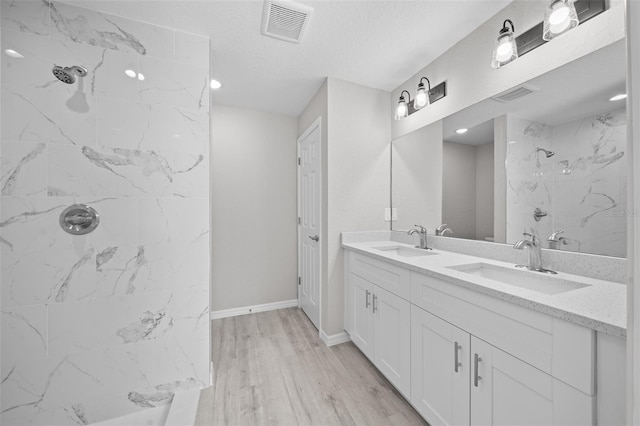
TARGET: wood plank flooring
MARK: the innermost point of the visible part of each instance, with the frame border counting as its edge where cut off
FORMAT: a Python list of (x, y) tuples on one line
[(271, 368)]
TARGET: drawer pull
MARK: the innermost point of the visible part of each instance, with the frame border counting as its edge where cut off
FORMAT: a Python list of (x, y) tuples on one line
[(374, 303), (456, 363), (367, 303), (476, 377)]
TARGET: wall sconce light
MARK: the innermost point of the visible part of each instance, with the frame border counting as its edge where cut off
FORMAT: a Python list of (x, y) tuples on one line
[(505, 50), (422, 96), (402, 109), (559, 17)]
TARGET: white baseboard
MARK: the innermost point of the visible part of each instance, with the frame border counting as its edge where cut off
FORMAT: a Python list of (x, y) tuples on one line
[(334, 339), (226, 313)]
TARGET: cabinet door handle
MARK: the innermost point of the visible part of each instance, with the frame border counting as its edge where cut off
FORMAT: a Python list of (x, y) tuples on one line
[(456, 363), (476, 377), (367, 303), (374, 303)]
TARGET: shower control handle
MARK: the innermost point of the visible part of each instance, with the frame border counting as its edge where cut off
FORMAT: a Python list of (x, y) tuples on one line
[(79, 219)]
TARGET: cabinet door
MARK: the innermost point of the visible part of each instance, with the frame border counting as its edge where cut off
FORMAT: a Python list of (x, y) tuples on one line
[(361, 313), (506, 390), (439, 384), (392, 338)]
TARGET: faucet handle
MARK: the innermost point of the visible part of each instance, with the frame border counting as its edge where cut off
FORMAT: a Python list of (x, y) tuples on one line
[(532, 237), (554, 235), (441, 227), (422, 228)]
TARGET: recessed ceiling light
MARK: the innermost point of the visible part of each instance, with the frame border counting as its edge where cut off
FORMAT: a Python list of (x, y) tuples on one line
[(215, 84), (462, 131), (131, 73), (13, 54), (140, 76), (619, 97)]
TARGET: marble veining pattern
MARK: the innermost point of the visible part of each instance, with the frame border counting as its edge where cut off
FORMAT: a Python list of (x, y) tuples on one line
[(113, 322), (582, 187)]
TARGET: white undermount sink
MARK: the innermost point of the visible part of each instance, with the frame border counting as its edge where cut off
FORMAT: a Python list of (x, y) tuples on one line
[(404, 251), (535, 281)]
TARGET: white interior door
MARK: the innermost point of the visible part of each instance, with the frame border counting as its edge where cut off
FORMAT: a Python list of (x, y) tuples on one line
[(309, 220)]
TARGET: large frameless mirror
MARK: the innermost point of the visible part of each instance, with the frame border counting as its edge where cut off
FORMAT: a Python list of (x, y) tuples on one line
[(547, 156)]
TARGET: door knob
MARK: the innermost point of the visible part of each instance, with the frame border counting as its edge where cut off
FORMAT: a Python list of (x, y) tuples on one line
[(315, 238)]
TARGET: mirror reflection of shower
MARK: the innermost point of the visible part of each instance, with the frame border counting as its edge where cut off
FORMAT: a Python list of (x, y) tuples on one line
[(547, 154), (77, 102), (68, 74)]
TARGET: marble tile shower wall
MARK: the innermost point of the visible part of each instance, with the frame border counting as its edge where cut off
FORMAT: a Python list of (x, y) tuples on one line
[(116, 321), (582, 187)]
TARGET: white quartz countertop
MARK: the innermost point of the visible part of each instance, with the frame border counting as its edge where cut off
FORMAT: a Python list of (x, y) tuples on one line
[(601, 305)]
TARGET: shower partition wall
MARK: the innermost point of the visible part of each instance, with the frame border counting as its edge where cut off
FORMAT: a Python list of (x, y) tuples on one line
[(115, 321)]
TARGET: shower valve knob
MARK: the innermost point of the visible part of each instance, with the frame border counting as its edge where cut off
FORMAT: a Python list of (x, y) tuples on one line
[(79, 219)]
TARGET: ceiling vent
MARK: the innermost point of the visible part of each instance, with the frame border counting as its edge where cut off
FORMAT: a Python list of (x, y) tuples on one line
[(285, 20), (515, 93)]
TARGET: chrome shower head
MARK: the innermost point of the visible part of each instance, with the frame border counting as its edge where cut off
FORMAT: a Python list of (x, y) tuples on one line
[(548, 154), (68, 74)]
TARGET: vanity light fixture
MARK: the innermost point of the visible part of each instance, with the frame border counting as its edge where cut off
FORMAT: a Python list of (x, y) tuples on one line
[(462, 131), (215, 84), (505, 49), (402, 109), (422, 96), (560, 17), (618, 97)]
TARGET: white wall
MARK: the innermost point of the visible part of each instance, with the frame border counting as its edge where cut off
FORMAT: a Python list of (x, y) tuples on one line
[(358, 178), (356, 140), (467, 189), (633, 230), (459, 189), (484, 191), (417, 178), (500, 179), (468, 62), (254, 208)]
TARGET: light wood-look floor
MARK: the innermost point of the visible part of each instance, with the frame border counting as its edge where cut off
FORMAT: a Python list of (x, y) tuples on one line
[(271, 368)]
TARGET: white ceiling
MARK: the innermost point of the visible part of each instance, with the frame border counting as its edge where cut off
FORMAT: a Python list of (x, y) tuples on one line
[(576, 90), (378, 44)]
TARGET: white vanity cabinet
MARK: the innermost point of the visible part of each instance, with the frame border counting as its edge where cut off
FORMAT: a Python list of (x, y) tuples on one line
[(378, 320), (440, 367), (465, 358), (458, 379), (516, 366)]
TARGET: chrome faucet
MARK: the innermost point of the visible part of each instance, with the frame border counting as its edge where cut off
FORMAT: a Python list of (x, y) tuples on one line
[(442, 229), (556, 242), (534, 253), (422, 231)]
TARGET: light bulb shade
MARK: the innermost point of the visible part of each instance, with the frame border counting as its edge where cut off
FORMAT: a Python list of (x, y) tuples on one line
[(560, 17), (505, 50), (402, 110), (421, 99)]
